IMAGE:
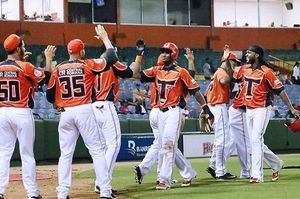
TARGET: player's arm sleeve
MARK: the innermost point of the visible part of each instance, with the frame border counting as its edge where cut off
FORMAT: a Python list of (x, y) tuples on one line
[(192, 73), (121, 70), (104, 64), (189, 83), (36, 75), (111, 57), (274, 83), (237, 75), (148, 75), (50, 92)]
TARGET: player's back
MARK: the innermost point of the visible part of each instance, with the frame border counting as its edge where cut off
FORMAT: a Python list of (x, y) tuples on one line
[(74, 81), (218, 93), (15, 85)]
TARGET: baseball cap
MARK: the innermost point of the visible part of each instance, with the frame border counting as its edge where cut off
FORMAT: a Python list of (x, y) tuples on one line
[(257, 49), (232, 56), (75, 46), (11, 42)]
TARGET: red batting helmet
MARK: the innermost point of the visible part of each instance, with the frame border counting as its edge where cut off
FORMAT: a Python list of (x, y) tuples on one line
[(294, 125), (174, 49)]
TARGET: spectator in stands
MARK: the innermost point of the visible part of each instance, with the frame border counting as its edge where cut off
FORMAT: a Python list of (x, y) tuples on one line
[(296, 74), (275, 112), (207, 69), (124, 108)]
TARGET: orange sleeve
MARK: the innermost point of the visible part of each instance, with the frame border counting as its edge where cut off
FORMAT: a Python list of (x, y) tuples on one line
[(274, 82), (148, 75), (98, 65), (33, 73), (190, 83)]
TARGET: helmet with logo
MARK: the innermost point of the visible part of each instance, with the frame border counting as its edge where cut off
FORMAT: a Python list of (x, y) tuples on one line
[(173, 49)]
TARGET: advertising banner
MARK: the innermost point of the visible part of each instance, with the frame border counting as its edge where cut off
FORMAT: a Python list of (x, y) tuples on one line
[(134, 147)]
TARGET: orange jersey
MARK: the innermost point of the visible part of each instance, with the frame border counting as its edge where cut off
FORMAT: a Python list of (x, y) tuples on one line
[(171, 84), (73, 81), (17, 82), (218, 93), (238, 100), (258, 85), (107, 82)]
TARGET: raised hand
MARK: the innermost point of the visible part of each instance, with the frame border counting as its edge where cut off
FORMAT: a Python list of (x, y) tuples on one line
[(226, 52), (50, 52), (100, 32), (189, 54)]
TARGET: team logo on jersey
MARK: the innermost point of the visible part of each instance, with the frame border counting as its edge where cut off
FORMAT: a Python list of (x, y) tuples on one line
[(38, 73)]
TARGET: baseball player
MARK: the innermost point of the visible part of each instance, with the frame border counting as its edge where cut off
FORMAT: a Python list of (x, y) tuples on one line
[(171, 82), (106, 94), (218, 96), (70, 88), (18, 79), (184, 166), (239, 136), (258, 80)]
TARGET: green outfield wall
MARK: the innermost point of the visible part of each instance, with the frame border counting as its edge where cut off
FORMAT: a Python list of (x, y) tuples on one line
[(277, 137)]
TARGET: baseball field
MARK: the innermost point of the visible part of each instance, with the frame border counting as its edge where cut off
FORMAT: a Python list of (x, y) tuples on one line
[(288, 185), (204, 186)]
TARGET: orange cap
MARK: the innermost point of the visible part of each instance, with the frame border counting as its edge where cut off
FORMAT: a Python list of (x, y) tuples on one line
[(232, 56), (75, 46), (11, 42)]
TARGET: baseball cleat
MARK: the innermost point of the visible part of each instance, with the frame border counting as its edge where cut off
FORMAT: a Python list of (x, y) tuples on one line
[(211, 171), (1, 196), (187, 182), (226, 176), (97, 189), (112, 196), (34, 197), (162, 186), (255, 180), (138, 175), (173, 181), (275, 176)]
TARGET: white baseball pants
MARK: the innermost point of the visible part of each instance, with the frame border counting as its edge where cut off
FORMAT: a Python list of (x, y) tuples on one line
[(184, 166), (221, 141), (239, 139), (169, 124), (17, 123), (75, 121), (109, 127), (257, 122)]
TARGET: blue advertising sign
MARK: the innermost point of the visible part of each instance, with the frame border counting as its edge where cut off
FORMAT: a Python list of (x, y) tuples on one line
[(134, 147)]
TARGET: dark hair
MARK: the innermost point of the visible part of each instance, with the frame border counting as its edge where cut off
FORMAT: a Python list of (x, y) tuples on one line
[(259, 50), (14, 50)]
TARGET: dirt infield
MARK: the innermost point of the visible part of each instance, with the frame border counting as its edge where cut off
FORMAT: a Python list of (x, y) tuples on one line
[(81, 188)]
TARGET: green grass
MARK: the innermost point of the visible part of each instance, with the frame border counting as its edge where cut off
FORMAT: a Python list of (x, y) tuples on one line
[(288, 185)]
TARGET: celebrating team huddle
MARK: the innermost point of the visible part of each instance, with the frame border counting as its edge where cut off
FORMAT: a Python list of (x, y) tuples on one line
[(85, 90)]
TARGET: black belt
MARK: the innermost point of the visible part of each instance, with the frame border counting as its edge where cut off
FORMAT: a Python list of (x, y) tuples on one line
[(167, 108)]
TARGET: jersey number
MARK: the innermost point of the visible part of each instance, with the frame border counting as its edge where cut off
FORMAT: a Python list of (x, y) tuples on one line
[(73, 86), (10, 91)]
